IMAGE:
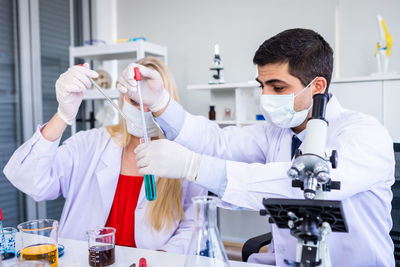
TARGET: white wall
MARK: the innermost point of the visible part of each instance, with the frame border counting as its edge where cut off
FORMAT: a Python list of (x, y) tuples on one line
[(359, 35), (190, 28)]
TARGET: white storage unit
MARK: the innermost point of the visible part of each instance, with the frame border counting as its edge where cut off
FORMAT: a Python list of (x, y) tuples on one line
[(376, 96), (120, 51), (241, 98)]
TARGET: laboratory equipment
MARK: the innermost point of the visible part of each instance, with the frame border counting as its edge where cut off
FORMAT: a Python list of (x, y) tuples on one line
[(310, 169), (211, 113), (206, 240), (110, 101), (39, 240), (309, 220), (9, 243), (383, 47), (23, 263), (104, 79), (149, 179), (94, 42), (217, 66), (142, 262), (260, 117), (101, 245), (228, 114), (130, 39), (60, 248), (2, 237)]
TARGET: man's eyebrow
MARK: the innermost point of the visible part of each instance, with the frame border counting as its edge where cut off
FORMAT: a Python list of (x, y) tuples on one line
[(275, 81)]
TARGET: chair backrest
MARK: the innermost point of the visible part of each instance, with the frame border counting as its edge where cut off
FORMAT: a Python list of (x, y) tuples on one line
[(395, 233)]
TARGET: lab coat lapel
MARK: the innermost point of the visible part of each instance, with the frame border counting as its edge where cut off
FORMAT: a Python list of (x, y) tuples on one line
[(107, 173), (285, 146), (142, 198)]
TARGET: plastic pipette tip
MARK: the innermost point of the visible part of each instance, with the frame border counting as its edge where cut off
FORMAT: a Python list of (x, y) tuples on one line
[(138, 76)]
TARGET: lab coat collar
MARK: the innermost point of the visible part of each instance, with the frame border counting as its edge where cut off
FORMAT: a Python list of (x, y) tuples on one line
[(333, 108), (107, 172), (107, 175), (141, 199)]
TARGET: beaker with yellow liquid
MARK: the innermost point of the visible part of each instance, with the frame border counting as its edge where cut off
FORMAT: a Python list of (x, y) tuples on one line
[(39, 241)]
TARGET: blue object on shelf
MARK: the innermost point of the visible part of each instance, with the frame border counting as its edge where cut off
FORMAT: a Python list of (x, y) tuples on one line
[(94, 42), (260, 117)]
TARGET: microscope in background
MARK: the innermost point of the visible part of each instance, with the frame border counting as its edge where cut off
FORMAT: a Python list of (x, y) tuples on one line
[(311, 219), (217, 66)]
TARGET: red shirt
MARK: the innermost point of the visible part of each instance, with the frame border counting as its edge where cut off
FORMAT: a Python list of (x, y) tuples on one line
[(122, 214)]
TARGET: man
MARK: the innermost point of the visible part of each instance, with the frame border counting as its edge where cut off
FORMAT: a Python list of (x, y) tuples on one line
[(244, 165)]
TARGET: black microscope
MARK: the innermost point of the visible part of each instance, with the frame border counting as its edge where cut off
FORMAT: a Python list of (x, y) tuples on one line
[(310, 220)]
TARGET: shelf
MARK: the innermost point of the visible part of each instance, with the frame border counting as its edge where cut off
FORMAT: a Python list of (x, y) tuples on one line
[(117, 51), (232, 122), (225, 86), (94, 94), (251, 122), (374, 77), (226, 122)]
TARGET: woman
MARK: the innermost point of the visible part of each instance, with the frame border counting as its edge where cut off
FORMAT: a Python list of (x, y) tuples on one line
[(96, 172)]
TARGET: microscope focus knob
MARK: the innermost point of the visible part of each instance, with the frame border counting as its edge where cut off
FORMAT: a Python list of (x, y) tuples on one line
[(293, 173), (334, 159), (263, 212)]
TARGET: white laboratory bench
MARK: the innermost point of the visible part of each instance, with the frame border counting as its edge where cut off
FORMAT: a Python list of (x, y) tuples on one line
[(76, 254)]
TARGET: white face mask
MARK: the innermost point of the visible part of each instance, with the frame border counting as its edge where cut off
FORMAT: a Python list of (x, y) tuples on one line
[(136, 127), (279, 110)]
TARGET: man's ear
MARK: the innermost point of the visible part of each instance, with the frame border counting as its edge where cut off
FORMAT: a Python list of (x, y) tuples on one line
[(319, 87)]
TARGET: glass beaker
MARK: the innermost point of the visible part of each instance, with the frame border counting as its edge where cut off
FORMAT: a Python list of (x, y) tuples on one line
[(206, 248), (101, 244), (23, 263), (39, 240), (8, 242)]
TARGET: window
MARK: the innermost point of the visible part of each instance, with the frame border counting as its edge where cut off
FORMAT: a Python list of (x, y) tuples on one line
[(10, 135), (54, 21)]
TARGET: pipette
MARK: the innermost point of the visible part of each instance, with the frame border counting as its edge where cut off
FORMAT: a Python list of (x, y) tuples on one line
[(109, 99), (149, 180)]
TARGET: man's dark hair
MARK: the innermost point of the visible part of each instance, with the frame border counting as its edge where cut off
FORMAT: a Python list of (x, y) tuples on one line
[(306, 52)]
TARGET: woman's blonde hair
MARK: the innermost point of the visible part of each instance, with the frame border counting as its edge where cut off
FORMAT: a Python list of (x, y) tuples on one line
[(166, 211)]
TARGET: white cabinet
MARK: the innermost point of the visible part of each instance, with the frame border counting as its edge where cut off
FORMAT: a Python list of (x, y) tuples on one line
[(366, 97), (391, 108), (241, 98), (378, 97)]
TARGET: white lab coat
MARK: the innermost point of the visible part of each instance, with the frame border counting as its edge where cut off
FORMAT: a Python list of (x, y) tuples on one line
[(85, 170), (258, 158)]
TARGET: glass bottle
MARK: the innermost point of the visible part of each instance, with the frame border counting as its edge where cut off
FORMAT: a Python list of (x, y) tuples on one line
[(206, 248), (211, 113)]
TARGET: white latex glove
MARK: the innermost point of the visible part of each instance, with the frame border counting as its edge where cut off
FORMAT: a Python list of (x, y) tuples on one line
[(167, 159), (70, 87), (154, 94)]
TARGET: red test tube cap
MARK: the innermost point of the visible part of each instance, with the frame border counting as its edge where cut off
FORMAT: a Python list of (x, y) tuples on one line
[(142, 262), (138, 76), (1, 215)]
